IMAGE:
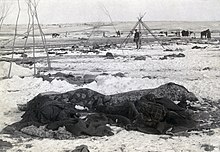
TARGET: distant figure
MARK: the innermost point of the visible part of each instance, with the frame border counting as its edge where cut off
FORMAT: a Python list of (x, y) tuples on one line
[(209, 34), (178, 33), (103, 34), (137, 38), (67, 33), (118, 33), (54, 35), (206, 34)]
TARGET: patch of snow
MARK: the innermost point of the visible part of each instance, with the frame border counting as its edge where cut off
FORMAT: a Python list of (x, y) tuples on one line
[(16, 70), (151, 73)]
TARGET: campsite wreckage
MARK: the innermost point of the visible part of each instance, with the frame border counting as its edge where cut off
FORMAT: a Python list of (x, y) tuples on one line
[(169, 109), (149, 111)]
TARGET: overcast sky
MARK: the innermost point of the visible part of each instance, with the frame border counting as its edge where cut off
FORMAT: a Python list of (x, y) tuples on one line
[(71, 11)]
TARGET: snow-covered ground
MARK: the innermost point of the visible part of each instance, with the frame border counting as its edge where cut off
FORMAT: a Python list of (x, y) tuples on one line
[(198, 71)]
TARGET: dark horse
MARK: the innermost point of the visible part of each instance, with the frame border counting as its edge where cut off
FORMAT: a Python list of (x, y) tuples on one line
[(206, 34), (186, 33), (54, 35)]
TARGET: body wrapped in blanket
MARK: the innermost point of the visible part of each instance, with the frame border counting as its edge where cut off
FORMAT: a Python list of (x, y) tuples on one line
[(148, 111)]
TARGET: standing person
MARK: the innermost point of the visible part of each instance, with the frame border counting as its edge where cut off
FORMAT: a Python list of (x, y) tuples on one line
[(137, 38), (118, 33)]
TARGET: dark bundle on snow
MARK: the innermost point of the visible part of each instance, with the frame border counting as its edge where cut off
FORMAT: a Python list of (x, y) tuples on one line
[(96, 46), (172, 56), (148, 111), (206, 68), (168, 50), (109, 55), (24, 55), (119, 74), (4, 145), (78, 80), (199, 47), (140, 58), (81, 148)]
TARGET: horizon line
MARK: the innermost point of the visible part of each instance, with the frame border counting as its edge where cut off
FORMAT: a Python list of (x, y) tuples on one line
[(120, 21)]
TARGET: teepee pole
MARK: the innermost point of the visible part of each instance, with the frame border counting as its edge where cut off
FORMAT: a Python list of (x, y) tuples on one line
[(41, 33), (139, 41), (148, 29), (28, 31), (13, 46), (130, 33), (33, 35)]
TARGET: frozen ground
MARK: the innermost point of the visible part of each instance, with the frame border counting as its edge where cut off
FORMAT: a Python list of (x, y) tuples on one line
[(198, 71), (70, 33)]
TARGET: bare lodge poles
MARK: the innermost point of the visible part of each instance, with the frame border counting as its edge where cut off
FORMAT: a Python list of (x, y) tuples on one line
[(33, 8), (32, 14), (13, 46), (145, 28), (41, 33), (108, 14)]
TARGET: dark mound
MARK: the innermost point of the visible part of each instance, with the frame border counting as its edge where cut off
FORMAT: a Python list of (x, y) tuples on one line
[(149, 111)]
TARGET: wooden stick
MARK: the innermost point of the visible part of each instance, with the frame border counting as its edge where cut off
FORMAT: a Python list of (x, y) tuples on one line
[(33, 43), (42, 34), (28, 30), (13, 46)]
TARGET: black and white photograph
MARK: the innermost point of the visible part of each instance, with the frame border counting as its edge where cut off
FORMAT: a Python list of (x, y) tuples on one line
[(110, 75)]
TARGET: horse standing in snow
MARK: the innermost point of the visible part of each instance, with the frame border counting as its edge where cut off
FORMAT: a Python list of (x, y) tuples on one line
[(206, 34), (54, 35)]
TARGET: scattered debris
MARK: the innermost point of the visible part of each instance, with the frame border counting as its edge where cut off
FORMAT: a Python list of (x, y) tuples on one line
[(87, 50), (199, 47), (140, 58), (96, 46), (206, 68), (61, 53), (208, 147), (109, 55), (149, 77), (78, 80), (51, 52), (24, 55), (82, 38), (172, 56), (28, 146), (168, 50), (75, 47), (104, 73), (88, 78), (119, 74), (4, 145), (179, 49), (81, 148)]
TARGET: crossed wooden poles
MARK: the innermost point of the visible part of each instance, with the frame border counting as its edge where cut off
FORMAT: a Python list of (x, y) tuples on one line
[(32, 13), (147, 30)]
